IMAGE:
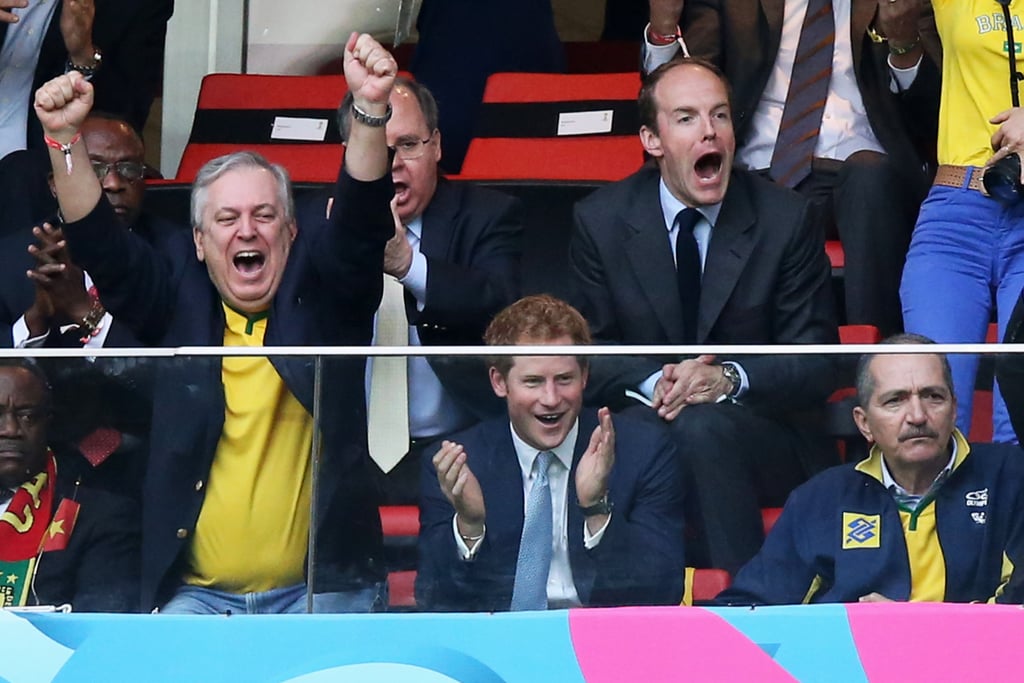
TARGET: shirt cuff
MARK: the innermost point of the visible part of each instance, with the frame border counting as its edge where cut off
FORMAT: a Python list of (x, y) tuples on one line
[(465, 552), (590, 541), (21, 338), (654, 56), (901, 79), (416, 279), (744, 380), (647, 386)]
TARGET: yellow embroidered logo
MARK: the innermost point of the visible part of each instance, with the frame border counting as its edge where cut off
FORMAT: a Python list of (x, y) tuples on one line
[(861, 531)]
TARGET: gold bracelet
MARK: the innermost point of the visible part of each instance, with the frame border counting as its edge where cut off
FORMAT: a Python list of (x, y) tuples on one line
[(900, 50), (92, 322)]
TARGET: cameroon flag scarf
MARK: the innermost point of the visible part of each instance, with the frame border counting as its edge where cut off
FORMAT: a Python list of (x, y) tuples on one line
[(23, 533)]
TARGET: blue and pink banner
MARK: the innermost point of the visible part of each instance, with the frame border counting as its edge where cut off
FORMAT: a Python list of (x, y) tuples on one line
[(834, 643)]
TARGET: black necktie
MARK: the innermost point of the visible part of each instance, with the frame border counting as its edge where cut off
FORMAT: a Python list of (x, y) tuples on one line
[(688, 270), (805, 101)]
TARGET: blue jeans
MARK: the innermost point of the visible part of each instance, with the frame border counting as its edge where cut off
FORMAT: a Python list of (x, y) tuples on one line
[(966, 255), (288, 600)]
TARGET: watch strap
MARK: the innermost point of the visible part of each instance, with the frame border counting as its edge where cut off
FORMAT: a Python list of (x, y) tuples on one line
[(601, 507)]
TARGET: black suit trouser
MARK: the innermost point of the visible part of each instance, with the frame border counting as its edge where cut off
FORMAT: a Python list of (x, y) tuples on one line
[(872, 207)]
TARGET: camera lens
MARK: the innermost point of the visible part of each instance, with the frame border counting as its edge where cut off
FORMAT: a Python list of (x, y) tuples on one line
[(1002, 179)]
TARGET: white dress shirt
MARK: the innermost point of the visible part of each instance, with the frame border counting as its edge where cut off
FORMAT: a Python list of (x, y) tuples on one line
[(18, 58)]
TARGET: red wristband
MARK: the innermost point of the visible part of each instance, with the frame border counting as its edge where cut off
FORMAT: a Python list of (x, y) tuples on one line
[(64, 149), (661, 40)]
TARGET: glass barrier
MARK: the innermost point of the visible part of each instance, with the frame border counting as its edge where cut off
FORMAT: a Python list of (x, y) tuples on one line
[(180, 479)]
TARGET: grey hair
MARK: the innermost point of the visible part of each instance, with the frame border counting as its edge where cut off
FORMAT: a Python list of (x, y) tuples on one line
[(866, 381), (215, 169), (428, 105)]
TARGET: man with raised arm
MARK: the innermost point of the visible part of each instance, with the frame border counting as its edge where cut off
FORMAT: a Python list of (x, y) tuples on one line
[(227, 512)]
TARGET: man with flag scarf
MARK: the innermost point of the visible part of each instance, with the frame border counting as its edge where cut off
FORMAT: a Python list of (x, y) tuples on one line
[(60, 543)]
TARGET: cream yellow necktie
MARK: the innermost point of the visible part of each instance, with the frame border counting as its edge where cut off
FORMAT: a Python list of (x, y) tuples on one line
[(389, 382)]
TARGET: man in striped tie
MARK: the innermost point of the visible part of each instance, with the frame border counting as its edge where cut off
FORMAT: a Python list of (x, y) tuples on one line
[(552, 506)]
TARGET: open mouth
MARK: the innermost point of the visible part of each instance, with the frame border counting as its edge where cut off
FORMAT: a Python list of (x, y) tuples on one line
[(249, 262), (550, 418), (401, 192), (708, 166)]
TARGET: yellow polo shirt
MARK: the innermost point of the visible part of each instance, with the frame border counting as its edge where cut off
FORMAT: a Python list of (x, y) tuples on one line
[(253, 528)]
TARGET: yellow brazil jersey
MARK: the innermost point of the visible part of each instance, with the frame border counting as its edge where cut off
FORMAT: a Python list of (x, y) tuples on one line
[(253, 527), (975, 75)]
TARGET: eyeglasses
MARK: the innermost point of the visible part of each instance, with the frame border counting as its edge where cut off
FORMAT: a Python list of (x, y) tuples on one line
[(128, 170), (25, 417), (407, 150)]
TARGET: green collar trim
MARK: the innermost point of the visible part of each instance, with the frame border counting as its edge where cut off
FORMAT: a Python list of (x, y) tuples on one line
[(250, 318)]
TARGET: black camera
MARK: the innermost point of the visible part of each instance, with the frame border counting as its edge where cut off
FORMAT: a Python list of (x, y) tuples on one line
[(1002, 180)]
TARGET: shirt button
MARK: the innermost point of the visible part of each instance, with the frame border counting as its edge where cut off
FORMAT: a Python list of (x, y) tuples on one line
[(199, 485), (182, 533)]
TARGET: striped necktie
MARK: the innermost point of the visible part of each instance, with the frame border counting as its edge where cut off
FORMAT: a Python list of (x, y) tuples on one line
[(805, 101), (530, 590)]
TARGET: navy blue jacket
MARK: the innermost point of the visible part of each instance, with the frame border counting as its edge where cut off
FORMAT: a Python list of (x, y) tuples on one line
[(979, 517), (639, 560)]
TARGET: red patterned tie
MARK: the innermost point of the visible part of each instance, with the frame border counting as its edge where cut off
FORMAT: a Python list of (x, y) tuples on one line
[(805, 101)]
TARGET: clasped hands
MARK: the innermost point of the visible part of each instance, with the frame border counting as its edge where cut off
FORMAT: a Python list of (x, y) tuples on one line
[(692, 381)]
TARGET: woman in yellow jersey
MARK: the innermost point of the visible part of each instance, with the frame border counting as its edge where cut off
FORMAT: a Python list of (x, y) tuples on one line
[(967, 252)]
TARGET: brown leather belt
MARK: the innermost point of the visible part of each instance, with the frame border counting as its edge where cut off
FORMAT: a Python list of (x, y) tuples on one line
[(954, 176)]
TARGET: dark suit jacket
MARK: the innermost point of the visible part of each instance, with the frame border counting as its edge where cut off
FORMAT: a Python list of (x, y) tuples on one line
[(99, 569), (328, 295), (766, 281), (639, 560), (742, 37), (131, 36), (473, 241)]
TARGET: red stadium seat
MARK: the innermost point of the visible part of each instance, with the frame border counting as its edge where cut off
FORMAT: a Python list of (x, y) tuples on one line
[(859, 334), (580, 127), (400, 520), (239, 111), (702, 585), (402, 590), (768, 518)]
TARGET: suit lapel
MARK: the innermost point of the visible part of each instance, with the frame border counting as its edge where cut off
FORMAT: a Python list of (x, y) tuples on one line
[(437, 221), (497, 470), (649, 253), (732, 241), (862, 12), (774, 12)]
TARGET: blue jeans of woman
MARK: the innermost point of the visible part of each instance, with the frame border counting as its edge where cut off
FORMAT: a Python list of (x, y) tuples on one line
[(966, 257)]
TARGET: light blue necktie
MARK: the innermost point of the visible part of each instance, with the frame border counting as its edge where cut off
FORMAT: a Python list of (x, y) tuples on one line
[(531, 586)]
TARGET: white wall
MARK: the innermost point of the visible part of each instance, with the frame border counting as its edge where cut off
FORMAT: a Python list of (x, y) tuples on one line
[(297, 37)]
